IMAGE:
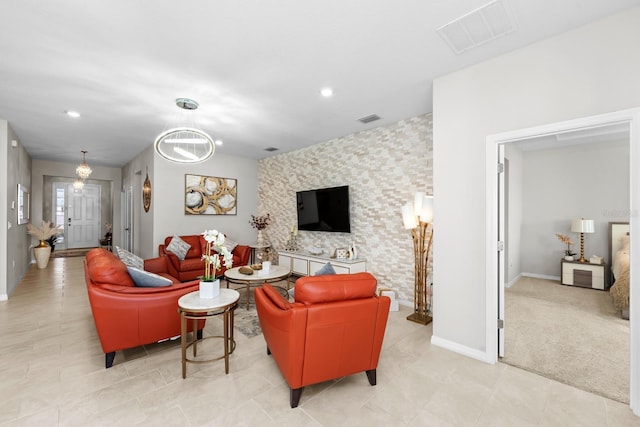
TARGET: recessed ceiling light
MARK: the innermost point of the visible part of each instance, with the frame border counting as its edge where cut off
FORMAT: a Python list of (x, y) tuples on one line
[(326, 92), (218, 142), (72, 113)]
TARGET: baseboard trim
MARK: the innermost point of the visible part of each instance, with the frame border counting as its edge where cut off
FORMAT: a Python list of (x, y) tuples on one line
[(541, 276), (513, 282), (4, 297), (462, 349)]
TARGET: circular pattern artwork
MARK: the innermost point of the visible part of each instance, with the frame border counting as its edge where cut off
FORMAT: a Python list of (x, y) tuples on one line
[(209, 195)]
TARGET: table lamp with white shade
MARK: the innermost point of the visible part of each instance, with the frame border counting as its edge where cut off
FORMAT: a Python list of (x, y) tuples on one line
[(582, 226)]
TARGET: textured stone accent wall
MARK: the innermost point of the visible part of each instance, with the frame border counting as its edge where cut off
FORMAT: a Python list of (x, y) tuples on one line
[(383, 168)]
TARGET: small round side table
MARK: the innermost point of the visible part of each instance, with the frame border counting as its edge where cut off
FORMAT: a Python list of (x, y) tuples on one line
[(191, 306)]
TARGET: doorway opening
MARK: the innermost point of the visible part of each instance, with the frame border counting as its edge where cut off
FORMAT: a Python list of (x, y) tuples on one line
[(496, 231)]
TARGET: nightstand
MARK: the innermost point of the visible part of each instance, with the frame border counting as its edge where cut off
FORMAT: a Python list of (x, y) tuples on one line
[(584, 274)]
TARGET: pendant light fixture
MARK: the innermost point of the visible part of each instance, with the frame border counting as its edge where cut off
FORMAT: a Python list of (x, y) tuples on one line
[(78, 184), (185, 144), (83, 170)]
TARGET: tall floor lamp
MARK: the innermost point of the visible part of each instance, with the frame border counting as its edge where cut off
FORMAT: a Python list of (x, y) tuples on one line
[(417, 217)]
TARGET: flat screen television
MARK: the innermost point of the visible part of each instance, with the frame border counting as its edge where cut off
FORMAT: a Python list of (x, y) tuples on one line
[(324, 209)]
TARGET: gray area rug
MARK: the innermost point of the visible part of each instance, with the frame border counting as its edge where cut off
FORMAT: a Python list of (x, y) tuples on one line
[(568, 334), (246, 321)]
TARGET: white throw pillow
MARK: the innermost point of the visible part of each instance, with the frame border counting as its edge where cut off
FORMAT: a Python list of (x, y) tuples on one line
[(178, 247), (130, 259), (146, 279)]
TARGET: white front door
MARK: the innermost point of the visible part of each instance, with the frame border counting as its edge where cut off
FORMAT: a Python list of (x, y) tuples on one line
[(83, 217)]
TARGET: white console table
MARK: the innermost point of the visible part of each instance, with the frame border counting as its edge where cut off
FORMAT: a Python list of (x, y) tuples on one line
[(304, 264)]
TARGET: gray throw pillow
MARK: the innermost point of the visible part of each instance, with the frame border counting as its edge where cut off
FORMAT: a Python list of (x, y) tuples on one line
[(130, 259), (179, 247), (325, 270), (146, 279), (229, 244)]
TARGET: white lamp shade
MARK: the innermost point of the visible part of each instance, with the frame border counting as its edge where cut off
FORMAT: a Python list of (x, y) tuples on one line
[(583, 226), (417, 203), (408, 217), (426, 213)]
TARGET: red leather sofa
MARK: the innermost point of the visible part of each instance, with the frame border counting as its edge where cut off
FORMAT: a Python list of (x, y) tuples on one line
[(334, 328), (192, 266), (127, 316)]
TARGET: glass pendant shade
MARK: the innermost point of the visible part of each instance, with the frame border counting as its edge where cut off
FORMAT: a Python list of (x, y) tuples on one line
[(78, 184), (83, 170)]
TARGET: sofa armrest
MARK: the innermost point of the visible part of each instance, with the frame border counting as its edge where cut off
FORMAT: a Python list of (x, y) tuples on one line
[(125, 320), (241, 255), (156, 265), (284, 333)]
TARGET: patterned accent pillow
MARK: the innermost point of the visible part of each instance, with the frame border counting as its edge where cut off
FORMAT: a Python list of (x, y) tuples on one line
[(130, 259), (229, 244), (179, 247), (146, 279)]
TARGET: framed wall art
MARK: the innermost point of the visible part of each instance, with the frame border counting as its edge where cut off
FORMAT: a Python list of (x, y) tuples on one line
[(210, 195)]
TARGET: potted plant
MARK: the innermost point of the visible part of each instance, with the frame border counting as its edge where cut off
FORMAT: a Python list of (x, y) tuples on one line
[(43, 233), (51, 241), (568, 254), (260, 222), (209, 284)]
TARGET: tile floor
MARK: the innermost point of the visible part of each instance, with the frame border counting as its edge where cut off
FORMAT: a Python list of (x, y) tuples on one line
[(52, 374)]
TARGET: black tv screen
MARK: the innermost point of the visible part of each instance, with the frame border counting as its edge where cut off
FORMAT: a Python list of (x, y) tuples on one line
[(325, 209)]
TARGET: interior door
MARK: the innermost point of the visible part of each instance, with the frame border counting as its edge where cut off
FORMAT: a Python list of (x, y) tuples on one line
[(502, 250), (127, 218), (83, 217)]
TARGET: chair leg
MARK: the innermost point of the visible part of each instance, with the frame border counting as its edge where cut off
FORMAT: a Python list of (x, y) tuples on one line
[(199, 335), (108, 359), (371, 376), (295, 396)]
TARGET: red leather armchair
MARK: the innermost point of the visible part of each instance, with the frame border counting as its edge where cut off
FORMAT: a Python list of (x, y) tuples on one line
[(192, 266), (127, 316), (334, 328)]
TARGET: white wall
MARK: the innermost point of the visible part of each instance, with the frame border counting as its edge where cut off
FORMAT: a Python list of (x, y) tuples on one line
[(134, 174), (168, 194), (15, 165), (582, 181), (588, 71)]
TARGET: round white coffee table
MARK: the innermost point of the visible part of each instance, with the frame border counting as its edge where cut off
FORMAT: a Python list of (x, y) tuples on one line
[(191, 306), (277, 273)]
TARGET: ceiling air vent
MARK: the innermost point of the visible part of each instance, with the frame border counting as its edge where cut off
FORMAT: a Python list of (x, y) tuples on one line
[(477, 27), (271, 149), (369, 119)]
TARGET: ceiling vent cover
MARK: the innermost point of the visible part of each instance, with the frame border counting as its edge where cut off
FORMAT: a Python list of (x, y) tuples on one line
[(369, 119), (479, 26)]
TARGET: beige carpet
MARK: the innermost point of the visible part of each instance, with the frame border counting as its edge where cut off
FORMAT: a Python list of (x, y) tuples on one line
[(569, 334)]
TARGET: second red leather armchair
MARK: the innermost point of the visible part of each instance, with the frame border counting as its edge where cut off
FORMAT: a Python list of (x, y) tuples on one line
[(334, 329)]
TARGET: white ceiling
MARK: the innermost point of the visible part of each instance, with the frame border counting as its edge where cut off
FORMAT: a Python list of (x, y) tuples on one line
[(256, 67)]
